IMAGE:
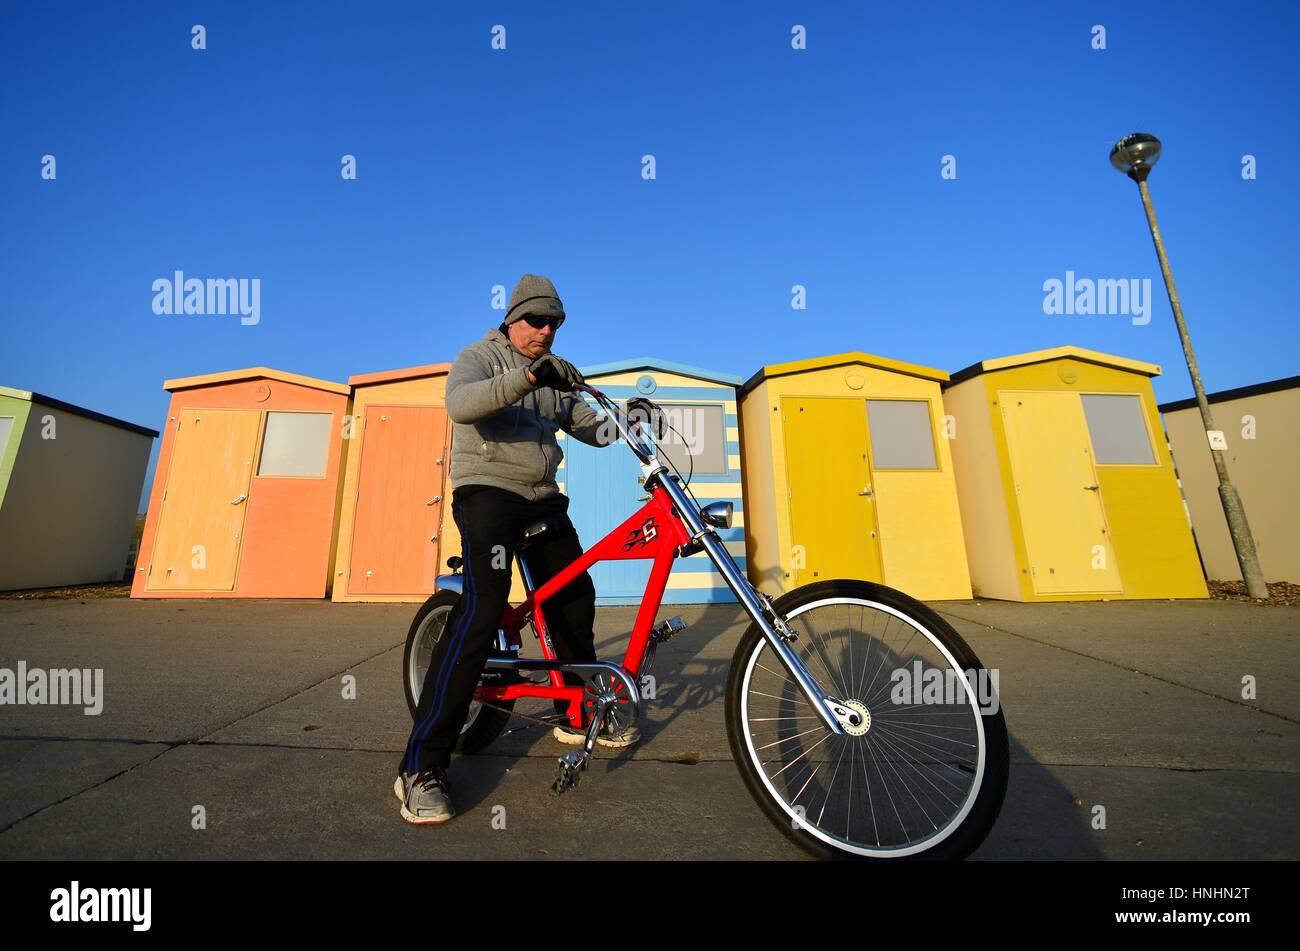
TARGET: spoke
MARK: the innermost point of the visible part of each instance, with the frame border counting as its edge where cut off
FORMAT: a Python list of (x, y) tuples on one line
[(902, 825), (775, 673), (817, 648), (767, 719), (945, 739), (801, 755), (866, 660), (789, 738), (848, 632), (831, 785), (782, 699), (907, 788), (913, 709), (810, 778), (884, 653), (848, 812), (917, 768), (940, 760)]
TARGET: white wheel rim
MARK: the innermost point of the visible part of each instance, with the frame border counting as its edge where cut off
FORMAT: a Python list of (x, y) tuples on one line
[(801, 822)]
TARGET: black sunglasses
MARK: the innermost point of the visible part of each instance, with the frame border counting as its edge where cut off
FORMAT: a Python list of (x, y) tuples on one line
[(537, 322)]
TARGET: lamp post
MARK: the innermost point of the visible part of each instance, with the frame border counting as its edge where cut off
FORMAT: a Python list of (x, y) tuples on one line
[(1135, 155)]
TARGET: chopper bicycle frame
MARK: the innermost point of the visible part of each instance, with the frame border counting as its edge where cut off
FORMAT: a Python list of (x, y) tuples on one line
[(852, 709)]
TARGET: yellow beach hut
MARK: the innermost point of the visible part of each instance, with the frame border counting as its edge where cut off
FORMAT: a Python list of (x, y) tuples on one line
[(847, 474), (1066, 485)]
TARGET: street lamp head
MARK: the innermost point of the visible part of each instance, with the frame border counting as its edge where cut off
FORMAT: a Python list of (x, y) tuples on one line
[(1135, 155)]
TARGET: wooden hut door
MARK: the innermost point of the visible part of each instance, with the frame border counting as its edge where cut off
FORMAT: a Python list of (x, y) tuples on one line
[(201, 526), (833, 524), (1057, 492), (399, 501)]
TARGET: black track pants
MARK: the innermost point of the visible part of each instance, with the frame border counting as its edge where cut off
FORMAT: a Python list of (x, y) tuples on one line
[(491, 523)]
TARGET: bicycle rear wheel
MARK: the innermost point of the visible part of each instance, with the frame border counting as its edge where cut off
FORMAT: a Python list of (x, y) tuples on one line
[(482, 724), (922, 775)]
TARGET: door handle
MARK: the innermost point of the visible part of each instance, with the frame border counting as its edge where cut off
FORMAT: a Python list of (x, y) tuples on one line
[(436, 498), (866, 492), (241, 498), (1092, 488)]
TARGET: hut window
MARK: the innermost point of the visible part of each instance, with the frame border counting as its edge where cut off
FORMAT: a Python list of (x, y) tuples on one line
[(1119, 433), (901, 437), (703, 427), (295, 444), (6, 427)]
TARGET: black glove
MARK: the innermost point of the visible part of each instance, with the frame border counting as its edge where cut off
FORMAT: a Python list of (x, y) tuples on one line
[(555, 372)]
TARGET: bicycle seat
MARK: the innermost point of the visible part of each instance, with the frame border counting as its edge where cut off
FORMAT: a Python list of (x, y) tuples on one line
[(536, 531)]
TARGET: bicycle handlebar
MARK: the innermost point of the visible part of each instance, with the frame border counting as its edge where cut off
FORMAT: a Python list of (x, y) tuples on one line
[(639, 440)]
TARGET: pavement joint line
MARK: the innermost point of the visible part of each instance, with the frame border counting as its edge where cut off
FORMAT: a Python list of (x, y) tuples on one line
[(74, 795), (193, 741), (1118, 666), (297, 693)]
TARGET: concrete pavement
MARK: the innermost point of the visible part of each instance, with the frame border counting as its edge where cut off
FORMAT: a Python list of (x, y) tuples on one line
[(239, 708)]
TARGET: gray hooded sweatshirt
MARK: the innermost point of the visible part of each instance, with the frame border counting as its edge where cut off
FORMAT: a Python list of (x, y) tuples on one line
[(504, 432)]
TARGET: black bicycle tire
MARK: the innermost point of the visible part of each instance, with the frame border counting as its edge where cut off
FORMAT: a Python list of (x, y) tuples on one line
[(988, 802)]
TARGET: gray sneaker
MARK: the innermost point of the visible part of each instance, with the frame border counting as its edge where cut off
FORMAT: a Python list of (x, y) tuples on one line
[(426, 797), (624, 737)]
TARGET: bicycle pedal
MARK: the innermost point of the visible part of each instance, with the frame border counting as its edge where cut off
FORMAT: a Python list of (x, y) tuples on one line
[(666, 630), (569, 772)]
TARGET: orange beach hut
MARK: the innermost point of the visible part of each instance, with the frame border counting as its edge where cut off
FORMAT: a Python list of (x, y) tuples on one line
[(395, 491), (244, 500)]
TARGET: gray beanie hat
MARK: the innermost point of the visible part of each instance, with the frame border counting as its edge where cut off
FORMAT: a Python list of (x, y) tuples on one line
[(534, 294)]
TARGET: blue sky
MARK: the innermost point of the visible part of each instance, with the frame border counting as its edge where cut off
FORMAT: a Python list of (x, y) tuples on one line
[(774, 167)]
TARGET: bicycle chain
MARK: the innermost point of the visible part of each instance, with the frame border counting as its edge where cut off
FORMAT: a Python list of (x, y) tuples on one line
[(557, 720)]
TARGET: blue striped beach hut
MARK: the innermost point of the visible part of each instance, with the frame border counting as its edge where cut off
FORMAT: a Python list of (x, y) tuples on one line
[(603, 483)]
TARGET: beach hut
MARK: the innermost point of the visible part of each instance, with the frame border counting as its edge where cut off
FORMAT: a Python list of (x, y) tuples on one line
[(603, 482), (1067, 489), (244, 499), (395, 492), (70, 481), (1259, 431), (848, 475)]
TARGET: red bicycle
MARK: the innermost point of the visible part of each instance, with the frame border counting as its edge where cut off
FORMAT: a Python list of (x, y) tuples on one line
[(862, 724)]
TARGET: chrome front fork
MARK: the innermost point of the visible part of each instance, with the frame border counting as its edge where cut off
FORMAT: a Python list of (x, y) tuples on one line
[(760, 608)]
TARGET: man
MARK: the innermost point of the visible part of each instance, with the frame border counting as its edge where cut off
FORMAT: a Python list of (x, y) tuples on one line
[(507, 394)]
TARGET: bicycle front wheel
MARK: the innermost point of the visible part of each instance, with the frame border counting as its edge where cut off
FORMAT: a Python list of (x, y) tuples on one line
[(923, 772)]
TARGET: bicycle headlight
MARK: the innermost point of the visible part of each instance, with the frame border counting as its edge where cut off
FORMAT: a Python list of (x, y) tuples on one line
[(718, 514)]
